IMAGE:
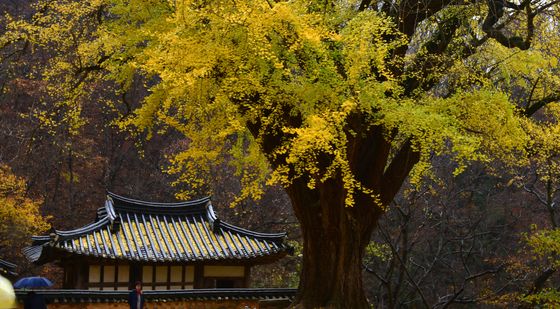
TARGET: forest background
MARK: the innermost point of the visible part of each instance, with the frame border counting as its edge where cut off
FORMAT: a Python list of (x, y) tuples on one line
[(481, 234)]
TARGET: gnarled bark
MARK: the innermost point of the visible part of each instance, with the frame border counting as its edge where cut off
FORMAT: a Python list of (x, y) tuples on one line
[(335, 238)]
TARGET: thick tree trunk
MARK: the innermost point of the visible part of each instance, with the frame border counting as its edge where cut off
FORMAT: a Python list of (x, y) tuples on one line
[(335, 238)]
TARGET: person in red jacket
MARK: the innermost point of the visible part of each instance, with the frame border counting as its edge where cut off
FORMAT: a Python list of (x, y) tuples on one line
[(135, 297)]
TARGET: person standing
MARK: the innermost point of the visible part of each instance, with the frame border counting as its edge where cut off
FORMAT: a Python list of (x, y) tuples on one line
[(34, 301), (136, 297)]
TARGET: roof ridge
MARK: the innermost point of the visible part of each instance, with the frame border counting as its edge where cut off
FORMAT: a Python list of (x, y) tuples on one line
[(216, 223), (252, 233), (121, 198)]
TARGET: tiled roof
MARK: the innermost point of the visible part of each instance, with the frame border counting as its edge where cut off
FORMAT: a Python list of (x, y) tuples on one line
[(87, 296), (135, 230), (7, 268)]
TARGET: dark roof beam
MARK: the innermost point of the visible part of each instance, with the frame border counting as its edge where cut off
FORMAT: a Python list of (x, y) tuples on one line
[(119, 241), (239, 250), (242, 245), (276, 248), (254, 252), (114, 251), (82, 249), (90, 246), (73, 246), (261, 249)]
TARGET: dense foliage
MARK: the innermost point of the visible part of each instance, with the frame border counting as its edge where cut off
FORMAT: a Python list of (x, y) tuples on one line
[(336, 101), (19, 215)]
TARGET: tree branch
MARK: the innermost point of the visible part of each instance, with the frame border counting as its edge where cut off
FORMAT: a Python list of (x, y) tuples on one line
[(398, 170), (412, 12), (496, 10), (421, 72), (539, 282), (537, 105)]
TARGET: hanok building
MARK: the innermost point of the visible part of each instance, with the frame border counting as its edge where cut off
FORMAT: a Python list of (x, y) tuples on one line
[(165, 245)]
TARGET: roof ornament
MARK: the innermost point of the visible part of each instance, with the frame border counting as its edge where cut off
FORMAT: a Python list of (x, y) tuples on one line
[(53, 235), (212, 218), (114, 219), (116, 224), (216, 226), (111, 214)]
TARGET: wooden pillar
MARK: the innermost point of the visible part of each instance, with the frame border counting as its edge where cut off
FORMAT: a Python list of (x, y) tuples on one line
[(198, 276), (247, 279), (81, 274), (134, 274)]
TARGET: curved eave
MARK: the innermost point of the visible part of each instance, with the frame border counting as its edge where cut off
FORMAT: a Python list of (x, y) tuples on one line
[(8, 265), (247, 247), (7, 268), (277, 237), (214, 220), (40, 255), (8, 273), (63, 235), (33, 253)]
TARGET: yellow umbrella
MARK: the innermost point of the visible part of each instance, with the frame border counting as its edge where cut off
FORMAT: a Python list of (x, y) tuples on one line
[(7, 295)]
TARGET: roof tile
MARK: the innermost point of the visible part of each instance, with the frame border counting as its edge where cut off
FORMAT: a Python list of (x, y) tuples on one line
[(158, 232)]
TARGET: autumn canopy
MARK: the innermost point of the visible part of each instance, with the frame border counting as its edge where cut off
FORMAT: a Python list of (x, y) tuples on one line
[(339, 102)]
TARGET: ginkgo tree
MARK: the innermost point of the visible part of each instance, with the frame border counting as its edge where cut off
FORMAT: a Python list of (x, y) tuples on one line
[(339, 102), (20, 216)]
